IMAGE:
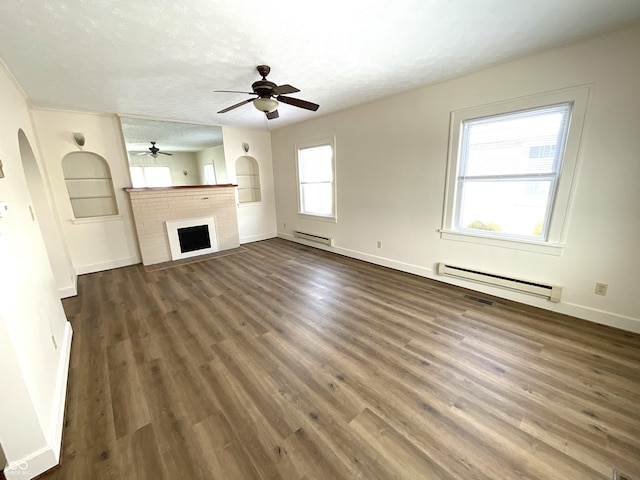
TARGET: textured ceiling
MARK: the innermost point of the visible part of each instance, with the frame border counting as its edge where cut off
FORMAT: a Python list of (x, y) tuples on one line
[(169, 136), (164, 59)]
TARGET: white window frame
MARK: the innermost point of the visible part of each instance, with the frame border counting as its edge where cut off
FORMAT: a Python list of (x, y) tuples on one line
[(554, 244), (331, 141)]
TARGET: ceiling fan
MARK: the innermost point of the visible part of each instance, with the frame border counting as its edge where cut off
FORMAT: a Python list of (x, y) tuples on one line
[(268, 96), (154, 151)]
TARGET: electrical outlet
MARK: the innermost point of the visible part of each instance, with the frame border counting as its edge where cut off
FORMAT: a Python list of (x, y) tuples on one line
[(601, 289), (284, 225), (379, 244)]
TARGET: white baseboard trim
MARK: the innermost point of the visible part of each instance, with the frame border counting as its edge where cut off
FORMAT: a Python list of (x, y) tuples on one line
[(586, 313), (48, 457), (32, 465), (257, 238), (604, 318), (71, 290), (385, 262), (58, 409), (98, 267)]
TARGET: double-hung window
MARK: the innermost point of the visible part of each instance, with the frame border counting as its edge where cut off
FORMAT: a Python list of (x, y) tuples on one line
[(511, 168), (316, 178)]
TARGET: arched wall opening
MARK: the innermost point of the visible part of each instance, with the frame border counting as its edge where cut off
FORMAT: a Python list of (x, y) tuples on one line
[(89, 184), (42, 212), (248, 177)]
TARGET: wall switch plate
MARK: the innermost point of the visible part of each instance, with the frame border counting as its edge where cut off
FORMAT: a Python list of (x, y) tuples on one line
[(4, 210), (601, 289)]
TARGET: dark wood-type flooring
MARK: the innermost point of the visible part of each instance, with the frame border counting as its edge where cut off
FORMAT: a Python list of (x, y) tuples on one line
[(289, 362)]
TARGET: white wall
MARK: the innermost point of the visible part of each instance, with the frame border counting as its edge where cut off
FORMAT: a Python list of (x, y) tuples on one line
[(106, 242), (256, 221), (391, 162), (33, 371)]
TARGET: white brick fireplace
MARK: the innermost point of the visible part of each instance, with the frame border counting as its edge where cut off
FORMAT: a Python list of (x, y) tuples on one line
[(160, 212)]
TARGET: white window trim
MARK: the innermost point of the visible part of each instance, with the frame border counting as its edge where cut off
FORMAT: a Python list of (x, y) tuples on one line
[(331, 140), (555, 243)]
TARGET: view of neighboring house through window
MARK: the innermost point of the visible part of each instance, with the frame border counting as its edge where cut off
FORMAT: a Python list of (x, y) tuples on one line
[(509, 167), (316, 179), (142, 177)]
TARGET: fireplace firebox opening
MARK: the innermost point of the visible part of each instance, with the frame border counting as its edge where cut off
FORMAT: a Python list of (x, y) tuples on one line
[(194, 238), (190, 237)]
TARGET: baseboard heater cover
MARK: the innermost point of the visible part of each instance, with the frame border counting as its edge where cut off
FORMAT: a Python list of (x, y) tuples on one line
[(550, 292), (314, 238)]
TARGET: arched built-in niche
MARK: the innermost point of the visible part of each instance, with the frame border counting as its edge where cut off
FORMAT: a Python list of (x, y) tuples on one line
[(89, 185), (248, 176)]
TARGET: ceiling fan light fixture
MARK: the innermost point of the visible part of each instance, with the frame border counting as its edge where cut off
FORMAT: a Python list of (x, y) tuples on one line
[(266, 105)]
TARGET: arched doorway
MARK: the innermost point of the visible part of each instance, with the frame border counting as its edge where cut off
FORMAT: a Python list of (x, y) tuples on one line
[(41, 210)]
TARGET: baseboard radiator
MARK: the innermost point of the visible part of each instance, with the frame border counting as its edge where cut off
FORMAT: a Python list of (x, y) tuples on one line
[(550, 292), (314, 238)]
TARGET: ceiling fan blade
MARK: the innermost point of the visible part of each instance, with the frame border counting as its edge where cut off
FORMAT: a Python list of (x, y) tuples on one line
[(142, 153), (236, 105), (272, 115), (232, 91), (283, 89), (296, 102), (165, 153)]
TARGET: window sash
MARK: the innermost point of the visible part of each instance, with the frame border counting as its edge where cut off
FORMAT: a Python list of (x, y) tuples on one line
[(315, 163), (519, 167)]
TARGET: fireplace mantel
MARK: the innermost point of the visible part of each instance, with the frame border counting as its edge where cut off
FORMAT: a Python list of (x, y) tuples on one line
[(179, 187), (154, 207)]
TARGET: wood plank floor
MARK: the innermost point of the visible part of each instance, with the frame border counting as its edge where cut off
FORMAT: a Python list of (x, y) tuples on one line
[(289, 362)]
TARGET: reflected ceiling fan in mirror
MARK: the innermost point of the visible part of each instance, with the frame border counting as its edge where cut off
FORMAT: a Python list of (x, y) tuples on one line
[(154, 151), (268, 95)]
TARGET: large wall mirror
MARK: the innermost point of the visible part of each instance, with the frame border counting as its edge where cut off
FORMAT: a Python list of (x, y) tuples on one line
[(181, 153)]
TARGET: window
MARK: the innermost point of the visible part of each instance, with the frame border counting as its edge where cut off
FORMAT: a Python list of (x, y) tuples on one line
[(502, 188), (142, 177), (510, 170), (209, 174), (316, 179)]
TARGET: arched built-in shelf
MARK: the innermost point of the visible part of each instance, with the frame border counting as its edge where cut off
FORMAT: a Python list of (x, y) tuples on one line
[(248, 175), (89, 185)]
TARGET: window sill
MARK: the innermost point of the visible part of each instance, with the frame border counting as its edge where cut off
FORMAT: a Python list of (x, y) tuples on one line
[(528, 246), (105, 218), (318, 217)]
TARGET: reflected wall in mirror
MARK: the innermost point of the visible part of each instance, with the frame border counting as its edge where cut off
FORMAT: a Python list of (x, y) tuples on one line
[(186, 154)]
